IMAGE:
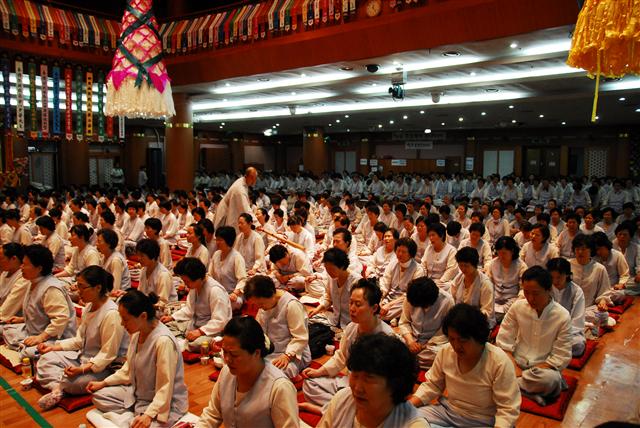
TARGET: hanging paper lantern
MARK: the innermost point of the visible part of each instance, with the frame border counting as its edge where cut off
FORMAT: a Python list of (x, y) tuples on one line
[(606, 40), (138, 83)]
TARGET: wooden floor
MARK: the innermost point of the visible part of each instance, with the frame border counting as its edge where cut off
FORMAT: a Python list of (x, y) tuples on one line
[(609, 387)]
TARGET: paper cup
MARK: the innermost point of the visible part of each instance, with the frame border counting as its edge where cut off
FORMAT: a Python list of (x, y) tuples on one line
[(26, 384), (204, 360)]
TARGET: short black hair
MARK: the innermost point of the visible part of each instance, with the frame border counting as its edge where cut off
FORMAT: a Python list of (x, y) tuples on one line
[(108, 216), (539, 275), (468, 255), (81, 231), (544, 230), (260, 286), (510, 244), (560, 265), (79, 215), (371, 292), (207, 225), (453, 228), (477, 227), (13, 214), (337, 257), (154, 224), (346, 235), (409, 243), (149, 248), (388, 357), (277, 253), (380, 227), (41, 257), (627, 225), (191, 267), (110, 237), (439, 229), (422, 292), (468, 321), (227, 234), (600, 239), (249, 334), (581, 240), (13, 249), (46, 222)]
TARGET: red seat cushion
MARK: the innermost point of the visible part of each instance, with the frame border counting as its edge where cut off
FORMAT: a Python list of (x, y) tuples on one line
[(579, 362), (557, 409), (135, 284), (190, 357), (620, 308), (75, 402), (494, 333), (422, 376), (214, 376), (310, 419)]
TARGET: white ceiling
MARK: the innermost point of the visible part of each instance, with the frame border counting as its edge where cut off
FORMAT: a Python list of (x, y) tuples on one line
[(478, 86)]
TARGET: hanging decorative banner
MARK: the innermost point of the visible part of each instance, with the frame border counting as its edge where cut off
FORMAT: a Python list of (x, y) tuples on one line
[(110, 127), (89, 111), (32, 100), (121, 127), (100, 106), (7, 94), (55, 74), (44, 97), (19, 98), (79, 104), (68, 113), (138, 84)]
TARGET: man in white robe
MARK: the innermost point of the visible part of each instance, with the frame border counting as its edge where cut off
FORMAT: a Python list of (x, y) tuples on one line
[(236, 200)]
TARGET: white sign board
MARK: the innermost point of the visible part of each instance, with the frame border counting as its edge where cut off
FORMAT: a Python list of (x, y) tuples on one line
[(418, 145), (398, 162), (468, 164), (373, 162), (364, 161), (440, 162)]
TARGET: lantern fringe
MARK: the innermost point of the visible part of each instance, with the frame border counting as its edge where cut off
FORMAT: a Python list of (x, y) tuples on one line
[(606, 41), (139, 102)]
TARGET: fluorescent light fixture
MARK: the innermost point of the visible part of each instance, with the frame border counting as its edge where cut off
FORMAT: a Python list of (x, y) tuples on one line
[(245, 102), (434, 63), (561, 70), (281, 83), (513, 45), (556, 46), (624, 84), (352, 106)]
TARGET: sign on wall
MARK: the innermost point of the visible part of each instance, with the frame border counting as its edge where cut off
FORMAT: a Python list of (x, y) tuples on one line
[(398, 162), (373, 162), (417, 136), (363, 161), (418, 145), (440, 162), (468, 164)]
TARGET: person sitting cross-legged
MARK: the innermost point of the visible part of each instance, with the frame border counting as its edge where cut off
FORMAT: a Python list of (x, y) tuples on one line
[(536, 334)]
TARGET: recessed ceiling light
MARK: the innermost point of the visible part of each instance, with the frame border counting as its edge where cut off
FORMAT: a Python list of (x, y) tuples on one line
[(564, 123), (346, 116), (597, 117), (622, 99), (348, 130), (541, 116), (461, 119), (421, 111), (511, 107), (484, 113), (374, 84), (330, 124), (405, 117), (391, 122), (227, 84), (379, 125), (224, 100), (443, 124), (274, 127), (346, 68), (337, 120), (222, 124), (513, 45), (638, 110), (277, 124), (450, 53), (303, 75), (293, 93), (396, 63), (513, 121), (427, 131), (473, 73), (263, 79)]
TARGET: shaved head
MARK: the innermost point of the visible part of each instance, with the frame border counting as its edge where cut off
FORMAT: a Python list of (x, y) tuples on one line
[(251, 176)]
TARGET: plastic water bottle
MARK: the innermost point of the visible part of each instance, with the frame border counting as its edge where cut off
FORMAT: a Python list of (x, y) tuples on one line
[(204, 349), (26, 368)]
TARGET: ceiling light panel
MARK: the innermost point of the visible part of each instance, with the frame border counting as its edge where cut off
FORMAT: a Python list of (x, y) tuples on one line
[(203, 105)]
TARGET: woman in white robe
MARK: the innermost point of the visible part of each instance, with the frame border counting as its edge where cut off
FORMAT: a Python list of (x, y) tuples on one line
[(504, 272), (475, 240), (68, 366), (113, 261), (439, 261), (384, 255), (250, 245), (198, 249), (539, 250), (227, 266)]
